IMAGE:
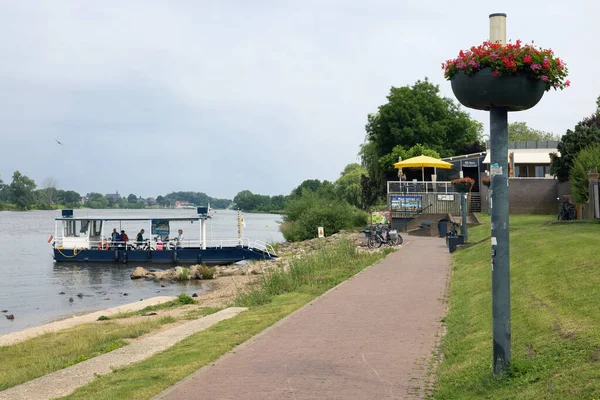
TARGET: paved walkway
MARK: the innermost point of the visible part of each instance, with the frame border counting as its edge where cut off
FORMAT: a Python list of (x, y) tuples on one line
[(65, 381), (370, 338)]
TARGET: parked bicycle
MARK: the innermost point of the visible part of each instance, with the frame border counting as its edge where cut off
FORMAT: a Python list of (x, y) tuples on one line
[(383, 235), (567, 211)]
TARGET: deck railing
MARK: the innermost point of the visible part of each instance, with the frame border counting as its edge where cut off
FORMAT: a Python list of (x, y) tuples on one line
[(419, 187)]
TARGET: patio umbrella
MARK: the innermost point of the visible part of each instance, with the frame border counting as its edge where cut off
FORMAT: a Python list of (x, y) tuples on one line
[(422, 162)]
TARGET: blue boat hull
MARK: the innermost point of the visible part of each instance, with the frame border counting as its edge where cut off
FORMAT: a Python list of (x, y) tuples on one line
[(209, 256)]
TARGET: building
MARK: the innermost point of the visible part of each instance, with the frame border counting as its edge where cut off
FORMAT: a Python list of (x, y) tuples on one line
[(528, 159), (115, 196)]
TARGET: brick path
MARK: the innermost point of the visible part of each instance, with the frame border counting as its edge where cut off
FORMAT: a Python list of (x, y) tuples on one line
[(370, 338)]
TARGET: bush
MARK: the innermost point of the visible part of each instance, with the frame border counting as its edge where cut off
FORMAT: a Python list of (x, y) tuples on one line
[(185, 299), (206, 273), (587, 160), (305, 214)]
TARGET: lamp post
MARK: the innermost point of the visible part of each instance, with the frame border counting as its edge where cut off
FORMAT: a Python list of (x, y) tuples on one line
[(499, 211)]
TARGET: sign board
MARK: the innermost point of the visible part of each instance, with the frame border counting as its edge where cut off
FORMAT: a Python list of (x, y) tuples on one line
[(160, 227), (321, 232), (445, 197), (381, 217), (469, 163), (404, 203)]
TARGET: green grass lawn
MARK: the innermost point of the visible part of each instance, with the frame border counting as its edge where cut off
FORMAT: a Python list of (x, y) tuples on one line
[(555, 294)]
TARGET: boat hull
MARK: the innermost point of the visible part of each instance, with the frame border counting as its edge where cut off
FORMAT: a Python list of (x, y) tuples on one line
[(208, 256)]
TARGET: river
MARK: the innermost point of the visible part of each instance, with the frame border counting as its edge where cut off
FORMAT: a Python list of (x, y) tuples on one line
[(31, 282)]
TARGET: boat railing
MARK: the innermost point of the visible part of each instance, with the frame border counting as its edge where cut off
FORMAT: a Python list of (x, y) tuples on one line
[(107, 244)]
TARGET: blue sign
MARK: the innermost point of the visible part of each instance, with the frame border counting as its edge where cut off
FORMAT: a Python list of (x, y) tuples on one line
[(160, 227)]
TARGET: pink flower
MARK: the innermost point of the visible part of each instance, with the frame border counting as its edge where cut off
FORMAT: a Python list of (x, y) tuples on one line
[(568, 83), (544, 78), (536, 67)]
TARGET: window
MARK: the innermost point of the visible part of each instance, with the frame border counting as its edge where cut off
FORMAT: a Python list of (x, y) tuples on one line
[(517, 171), (539, 171)]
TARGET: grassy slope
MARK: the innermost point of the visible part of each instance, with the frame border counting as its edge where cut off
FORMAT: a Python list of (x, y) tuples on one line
[(555, 294), (276, 296)]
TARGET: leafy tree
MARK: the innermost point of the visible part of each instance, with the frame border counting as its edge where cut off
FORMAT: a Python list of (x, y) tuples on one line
[(587, 160), (68, 197), (21, 191), (132, 198), (96, 200), (304, 214), (311, 185), (371, 192), (3, 192), (416, 115), (387, 162), (585, 133), (348, 186), (520, 132)]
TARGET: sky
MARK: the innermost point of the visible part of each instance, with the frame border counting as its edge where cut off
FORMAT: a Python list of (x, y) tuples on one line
[(150, 97)]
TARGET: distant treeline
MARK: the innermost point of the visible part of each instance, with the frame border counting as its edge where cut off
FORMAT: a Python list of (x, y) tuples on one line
[(23, 194)]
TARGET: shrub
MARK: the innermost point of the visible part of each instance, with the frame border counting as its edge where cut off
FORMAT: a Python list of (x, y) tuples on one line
[(587, 160), (206, 273), (305, 214), (185, 299), (103, 318)]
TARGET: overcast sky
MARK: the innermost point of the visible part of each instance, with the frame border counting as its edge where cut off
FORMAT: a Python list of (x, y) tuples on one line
[(150, 97)]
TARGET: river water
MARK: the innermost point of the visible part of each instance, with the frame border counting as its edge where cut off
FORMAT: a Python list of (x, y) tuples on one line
[(31, 282)]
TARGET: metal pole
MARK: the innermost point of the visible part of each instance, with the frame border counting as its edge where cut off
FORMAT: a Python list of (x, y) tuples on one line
[(499, 207), (463, 206)]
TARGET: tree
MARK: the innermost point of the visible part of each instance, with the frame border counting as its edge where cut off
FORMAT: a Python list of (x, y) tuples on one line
[(416, 115), (21, 191), (96, 200), (311, 185), (132, 198), (520, 132), (49, 186), (585, 133), (587, 160), (3, 192), (68, 197), (348, 186)]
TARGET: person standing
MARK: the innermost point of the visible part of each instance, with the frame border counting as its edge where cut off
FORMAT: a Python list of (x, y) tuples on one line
[(124, 239), (140, 238), (116, 237)]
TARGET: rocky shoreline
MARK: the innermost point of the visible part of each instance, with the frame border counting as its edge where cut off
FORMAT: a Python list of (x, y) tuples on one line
[(286, 251)]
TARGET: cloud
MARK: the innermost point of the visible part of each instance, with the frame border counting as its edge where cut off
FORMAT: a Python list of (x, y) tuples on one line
[(220, 97)]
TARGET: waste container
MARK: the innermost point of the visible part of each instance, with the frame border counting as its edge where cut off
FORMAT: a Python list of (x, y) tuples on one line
[(454, 241), (442, 227)]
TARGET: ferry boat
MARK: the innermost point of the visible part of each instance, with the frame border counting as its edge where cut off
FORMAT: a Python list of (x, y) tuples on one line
[(89, 239)]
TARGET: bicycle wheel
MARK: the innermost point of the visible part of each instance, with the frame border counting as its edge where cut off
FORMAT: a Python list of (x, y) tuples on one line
[(400, 240), (377, 242), (370, 243)]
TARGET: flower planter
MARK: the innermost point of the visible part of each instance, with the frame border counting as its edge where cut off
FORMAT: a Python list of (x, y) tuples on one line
[(482, 90)]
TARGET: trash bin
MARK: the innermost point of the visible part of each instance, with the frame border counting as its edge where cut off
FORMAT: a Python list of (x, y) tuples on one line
[(454, 241), (442, 227)]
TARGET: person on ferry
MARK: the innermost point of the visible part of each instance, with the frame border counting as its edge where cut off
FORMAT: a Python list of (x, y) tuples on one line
[(180, 238), (140, 238), (124, 239), (116, 237)]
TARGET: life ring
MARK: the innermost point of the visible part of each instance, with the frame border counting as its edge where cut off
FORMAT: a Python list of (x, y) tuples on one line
[(103, 245)]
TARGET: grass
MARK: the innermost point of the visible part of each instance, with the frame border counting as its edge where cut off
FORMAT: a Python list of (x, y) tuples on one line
[(182, 300), (555, 293), (50, 352), (275, 296)]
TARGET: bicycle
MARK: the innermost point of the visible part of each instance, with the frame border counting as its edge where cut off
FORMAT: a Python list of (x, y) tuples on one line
[(567, 211), (383, 235)]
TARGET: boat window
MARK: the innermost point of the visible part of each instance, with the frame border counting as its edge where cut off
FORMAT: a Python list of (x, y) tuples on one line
[(84, 227), (96, 228)]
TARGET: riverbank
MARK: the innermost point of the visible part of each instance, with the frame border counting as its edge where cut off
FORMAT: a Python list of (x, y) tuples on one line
[(89, 340)]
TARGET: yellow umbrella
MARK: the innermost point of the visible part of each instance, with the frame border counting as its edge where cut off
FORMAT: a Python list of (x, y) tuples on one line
[(422, 162)]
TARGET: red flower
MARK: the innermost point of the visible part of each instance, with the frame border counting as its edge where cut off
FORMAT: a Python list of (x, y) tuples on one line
[(495, 73), (568, 83), (527, 59)]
